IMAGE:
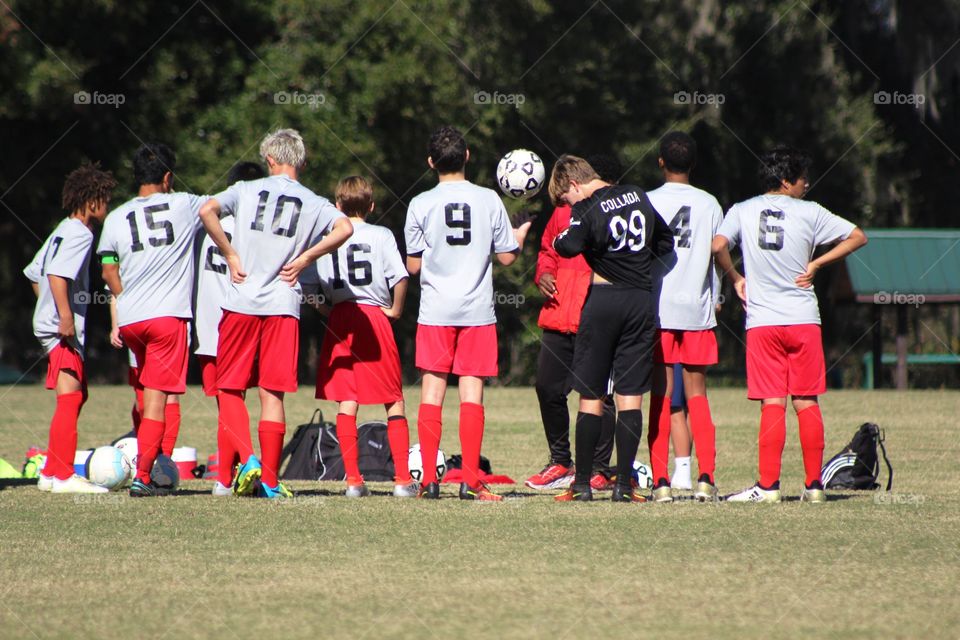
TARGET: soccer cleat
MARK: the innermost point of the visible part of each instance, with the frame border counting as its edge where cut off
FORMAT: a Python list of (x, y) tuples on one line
[(662, 491), (600, 482), (625, 494), (429, 491), (44, 483), (575, 494), (141, 489), (706, 490), (678, 482), (408, 490), (358, 490), (481, 493), (220, 490), (813, 494), (755, 494), (76, 484), (278, 492), (248, 473), (552, 476)]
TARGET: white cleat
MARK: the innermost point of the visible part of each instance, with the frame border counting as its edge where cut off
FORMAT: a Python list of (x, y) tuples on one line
[(220, 491), (684, 484), (76, 484), (755, 494), (44, 483), (409, 490)]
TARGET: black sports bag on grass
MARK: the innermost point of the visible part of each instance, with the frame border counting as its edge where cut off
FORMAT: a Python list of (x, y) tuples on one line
[(858, 466)]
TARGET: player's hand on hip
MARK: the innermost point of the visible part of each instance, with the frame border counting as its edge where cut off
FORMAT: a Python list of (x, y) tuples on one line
[(291, 271), (805, 279), (547, 285), (390, 313), (66, 328), (237, 274)]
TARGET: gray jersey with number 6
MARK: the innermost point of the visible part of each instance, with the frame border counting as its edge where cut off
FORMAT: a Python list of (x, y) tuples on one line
[(455, 227), (778, 235), (213, 281)]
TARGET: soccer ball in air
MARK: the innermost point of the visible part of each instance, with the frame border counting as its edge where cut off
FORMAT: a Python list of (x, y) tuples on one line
[(643, 475), (108, 467), (415, 463), (520, 174)]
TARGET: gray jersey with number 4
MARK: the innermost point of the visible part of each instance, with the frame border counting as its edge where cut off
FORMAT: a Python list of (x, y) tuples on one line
[(687, 292), (65, 253), (778, 235), (363, 270), (277, 219), (153, 237), (456, 226), (213, 281)]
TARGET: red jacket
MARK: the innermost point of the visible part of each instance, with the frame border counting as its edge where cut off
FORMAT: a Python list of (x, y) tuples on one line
[(562, 312)]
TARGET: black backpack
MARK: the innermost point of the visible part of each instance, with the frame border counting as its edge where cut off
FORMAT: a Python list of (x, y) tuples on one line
[(858, 466), (314, 452)]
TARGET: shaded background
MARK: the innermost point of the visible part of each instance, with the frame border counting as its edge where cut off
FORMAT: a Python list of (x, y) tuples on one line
[(367, 82)]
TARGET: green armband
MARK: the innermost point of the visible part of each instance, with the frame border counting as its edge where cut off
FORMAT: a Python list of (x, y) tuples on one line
[(109, 258)]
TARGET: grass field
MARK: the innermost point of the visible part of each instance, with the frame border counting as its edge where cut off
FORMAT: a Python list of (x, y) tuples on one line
[(322, 566)]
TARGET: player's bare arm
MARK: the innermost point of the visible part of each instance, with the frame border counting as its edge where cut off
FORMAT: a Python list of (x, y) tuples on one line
[(341, 232), (60, 288), (724, 263), (524, 222), (399, 298), (115, 340), (36, 289), (111, 275), (413, 264), (854, 241), (210, 216)]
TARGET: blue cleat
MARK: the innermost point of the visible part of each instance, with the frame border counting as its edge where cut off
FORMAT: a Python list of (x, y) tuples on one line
[(248, 473), (278, 492)]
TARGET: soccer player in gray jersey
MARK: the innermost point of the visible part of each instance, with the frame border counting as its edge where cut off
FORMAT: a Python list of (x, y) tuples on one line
[(280, 228), (61, 275), (686, 311), (146, 253), (451, 230), (778, 233), (213, 281)]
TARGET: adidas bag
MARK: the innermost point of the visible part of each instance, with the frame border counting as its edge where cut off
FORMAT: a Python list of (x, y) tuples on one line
[(857, 466), (314, 452)]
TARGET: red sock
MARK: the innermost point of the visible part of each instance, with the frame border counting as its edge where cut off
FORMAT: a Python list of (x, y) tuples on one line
[(398, 433), (471, 439), (658, 437), (773, 435), (236, 422), (271, 448), (704, 434), (149, 436), (347, 435), (226, 453), (171, 429), (811, 442), (429, 430), (63, 436)]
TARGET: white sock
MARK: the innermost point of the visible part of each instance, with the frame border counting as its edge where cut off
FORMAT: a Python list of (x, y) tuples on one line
[(681, 470)]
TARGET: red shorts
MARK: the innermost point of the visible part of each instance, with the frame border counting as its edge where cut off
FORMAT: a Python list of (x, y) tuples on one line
[(465, 351), (359, 360), (133, 374), (257, 351), (208, 374), (785, 360), (64, 356), (696, 348), (160, 347)]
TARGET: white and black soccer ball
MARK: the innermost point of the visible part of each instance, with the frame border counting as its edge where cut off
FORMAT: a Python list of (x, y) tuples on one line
[(415, 463), (108, 467), (128, 446), (165, 473), (643, 475), (520, 174)]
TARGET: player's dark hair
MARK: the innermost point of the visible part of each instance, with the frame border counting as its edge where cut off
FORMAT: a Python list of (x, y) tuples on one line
[(355, 196), (448, 150), (151, 162), (86, 184), (678, 152), (243, 171), (607, 167), (782, 163), (568, 168)]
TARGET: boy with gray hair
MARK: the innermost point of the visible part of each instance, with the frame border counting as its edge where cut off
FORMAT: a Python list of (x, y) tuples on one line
[(280, 228)]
